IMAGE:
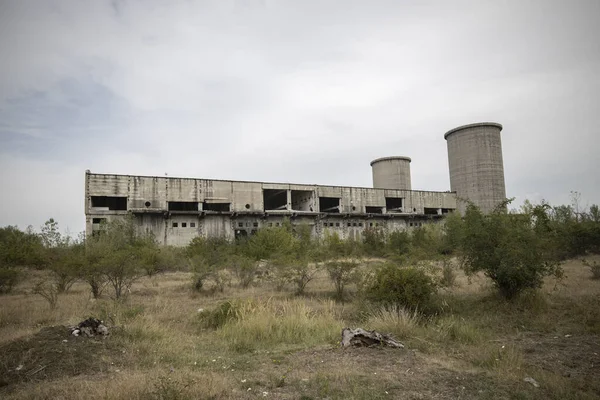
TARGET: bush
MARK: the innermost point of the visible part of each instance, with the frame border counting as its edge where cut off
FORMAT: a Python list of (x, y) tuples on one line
[(342, 273), (374, 242), (9, 277), (245, 269), (398, 243), (216, 318), (514, 250), (394, 286), (594, 268)]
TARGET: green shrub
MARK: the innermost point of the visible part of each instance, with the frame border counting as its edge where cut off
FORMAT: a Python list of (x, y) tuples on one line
[(393, 285), (374, 241), (514, 250), (342, 273), (398, 243), (9, 277), (216, 318), (244, 268), (594, 268)]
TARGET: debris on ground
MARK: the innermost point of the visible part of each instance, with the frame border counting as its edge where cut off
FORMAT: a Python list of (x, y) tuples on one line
[(532, 381), (360, 337), (90, 327)]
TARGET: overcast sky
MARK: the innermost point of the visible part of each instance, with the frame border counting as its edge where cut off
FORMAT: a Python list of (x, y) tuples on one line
[(290, 91)]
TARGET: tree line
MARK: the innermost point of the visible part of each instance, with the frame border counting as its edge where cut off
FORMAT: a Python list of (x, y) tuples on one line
[(516, 250)]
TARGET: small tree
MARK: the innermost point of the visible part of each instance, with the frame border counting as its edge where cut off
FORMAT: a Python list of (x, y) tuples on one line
[(116, 255), (341, 273), (18, 249), (393, 286), (511, 249)]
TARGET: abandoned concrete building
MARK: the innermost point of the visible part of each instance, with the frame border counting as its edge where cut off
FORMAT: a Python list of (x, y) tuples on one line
[(176, 210)]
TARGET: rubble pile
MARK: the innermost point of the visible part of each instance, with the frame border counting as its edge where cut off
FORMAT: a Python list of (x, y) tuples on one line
[(90, 327)]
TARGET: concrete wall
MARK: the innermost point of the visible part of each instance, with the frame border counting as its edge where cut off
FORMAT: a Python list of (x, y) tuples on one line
[(476, 165), (391, 173), (148, 198)]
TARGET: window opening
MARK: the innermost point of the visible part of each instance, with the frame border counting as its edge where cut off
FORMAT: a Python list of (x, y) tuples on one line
[(374, 210), (275, 199), (394, 204), (113, 203), (302, 200), (329, 204), (192, 224), (217, 207), (174, 224), (183, 206)]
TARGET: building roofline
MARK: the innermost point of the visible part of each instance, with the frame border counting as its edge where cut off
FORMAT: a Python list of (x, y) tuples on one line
[(475, 125), (390, 159), (88, 172)]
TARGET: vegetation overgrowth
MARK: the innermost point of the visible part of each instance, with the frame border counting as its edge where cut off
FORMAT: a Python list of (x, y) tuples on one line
[(220, 319)]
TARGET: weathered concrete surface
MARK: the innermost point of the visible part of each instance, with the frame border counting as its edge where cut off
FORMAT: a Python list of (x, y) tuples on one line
[(476, 165), (235, 208), (391, 173)]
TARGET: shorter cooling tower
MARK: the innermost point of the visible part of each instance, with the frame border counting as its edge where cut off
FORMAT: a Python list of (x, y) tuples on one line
[(391, 173), (476, 166)]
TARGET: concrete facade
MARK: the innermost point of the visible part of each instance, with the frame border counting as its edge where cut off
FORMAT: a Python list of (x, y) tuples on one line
[(476, 165), (391, 173), (176, 210)]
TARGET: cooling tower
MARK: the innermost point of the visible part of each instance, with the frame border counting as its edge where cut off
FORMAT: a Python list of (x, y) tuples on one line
[(391, 173), (476, 167)]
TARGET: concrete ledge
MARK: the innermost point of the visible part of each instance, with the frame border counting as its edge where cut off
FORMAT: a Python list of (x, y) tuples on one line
[(390, 159), (476, 125)]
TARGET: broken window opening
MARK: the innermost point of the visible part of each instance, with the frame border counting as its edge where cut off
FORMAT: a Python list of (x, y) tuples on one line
[(113, 203), (98, 220), (394, 204), (374, 210), (275, 199), (240, 234), (192, 224), (184, 224), (337, 224), (219, 207), (174, 224), (329, 204), (183, 206), (240, 224), (255, 224), (302, 200), (447, 210), (432, 211)]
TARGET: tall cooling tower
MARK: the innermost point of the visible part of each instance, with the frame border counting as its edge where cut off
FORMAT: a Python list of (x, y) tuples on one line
[(476, 167), (391, 173)]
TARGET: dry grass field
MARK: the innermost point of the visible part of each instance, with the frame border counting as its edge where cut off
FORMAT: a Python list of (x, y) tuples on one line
[(167, 343)]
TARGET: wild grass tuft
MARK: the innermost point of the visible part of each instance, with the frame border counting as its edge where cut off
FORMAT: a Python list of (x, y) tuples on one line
[(397, 320), (266, 324)]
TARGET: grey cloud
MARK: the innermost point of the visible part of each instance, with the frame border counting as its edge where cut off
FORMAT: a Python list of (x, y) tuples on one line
[(306, 91)]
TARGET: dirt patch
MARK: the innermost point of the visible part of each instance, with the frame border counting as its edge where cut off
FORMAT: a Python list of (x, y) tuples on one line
[(376, 373), (53, 353), (571, 356)]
